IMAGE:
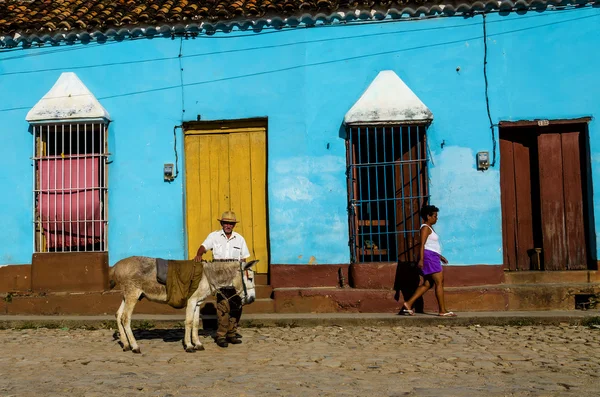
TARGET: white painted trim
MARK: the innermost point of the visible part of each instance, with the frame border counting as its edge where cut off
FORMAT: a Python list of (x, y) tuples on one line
[(388, 100), (71, 121), (68, 99)]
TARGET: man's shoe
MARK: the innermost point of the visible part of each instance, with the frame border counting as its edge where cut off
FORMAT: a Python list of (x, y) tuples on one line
[(238, 336), (222, 342), (234, 340)]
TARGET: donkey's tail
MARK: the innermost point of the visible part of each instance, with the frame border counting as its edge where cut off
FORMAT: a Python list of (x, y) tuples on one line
[(111, 278)]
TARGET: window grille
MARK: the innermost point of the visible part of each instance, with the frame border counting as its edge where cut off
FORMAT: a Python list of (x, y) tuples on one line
[(387, 185), (70, 187)]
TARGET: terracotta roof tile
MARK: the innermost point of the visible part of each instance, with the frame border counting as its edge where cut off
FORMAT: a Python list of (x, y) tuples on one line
[(31, 16), (27, 17)]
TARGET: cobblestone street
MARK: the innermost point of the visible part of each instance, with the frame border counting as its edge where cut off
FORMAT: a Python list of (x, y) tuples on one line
[(325, 361)]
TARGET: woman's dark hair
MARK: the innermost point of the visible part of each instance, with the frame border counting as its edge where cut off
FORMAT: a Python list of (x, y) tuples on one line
[(428, 210)]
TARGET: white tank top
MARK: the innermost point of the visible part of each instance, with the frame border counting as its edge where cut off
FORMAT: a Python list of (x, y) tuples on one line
[(433, 241)]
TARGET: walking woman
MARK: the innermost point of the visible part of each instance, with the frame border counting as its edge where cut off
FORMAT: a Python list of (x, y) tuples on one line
[(430, 261)]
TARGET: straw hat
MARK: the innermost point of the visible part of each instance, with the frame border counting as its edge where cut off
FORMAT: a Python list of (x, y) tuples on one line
[(228, 216)]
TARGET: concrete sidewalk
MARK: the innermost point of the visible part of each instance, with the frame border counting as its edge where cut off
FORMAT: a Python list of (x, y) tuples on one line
[(507, 318)]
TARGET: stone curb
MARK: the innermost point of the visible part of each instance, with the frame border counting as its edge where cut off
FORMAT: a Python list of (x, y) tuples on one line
[(142, 321)]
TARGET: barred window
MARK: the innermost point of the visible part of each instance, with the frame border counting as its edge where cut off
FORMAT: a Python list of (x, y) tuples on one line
[(387, 185), (70, 187)]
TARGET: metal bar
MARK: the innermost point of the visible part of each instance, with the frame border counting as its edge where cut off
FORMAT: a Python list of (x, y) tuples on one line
[(419, 205), (45, 247), (402, 162), (351, 183), (45, 148), (78, 187), (359, 181), (410, 187), (406, 198), (84, 187), (425, 143), (419, 176), (62, 152), (369, 187), (70, 186), (58, 190), (385, 195), (376, 150), (93, 196), (72, 156), (408, 231), (55, 169), (34, 146), (80, 221), (395, 193), (105, 185), (402, 192)]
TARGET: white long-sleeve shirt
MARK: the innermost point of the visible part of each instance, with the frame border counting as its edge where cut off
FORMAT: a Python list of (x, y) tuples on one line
[(226, 248)]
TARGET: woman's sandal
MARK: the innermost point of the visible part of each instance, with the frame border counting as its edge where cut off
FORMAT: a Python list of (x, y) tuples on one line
[(405, 311), (447, 314)]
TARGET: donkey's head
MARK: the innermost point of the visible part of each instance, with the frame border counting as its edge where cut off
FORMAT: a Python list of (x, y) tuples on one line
[(236, 274), (248, 292), (243, 280)]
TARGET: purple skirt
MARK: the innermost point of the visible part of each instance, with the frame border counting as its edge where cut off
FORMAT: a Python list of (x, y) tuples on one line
[(431, 263)]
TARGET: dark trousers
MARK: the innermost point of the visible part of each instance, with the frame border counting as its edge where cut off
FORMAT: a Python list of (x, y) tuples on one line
[(229, 312)]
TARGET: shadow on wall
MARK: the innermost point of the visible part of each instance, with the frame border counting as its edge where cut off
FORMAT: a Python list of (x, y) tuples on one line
[(343, 132), (406, 282)]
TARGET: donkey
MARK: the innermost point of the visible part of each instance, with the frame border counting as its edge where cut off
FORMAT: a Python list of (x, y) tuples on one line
[(136, 276)]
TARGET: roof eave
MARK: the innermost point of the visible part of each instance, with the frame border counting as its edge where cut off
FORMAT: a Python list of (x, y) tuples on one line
[(27, 36)]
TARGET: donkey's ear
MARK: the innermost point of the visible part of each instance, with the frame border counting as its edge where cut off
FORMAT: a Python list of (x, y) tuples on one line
[(248, 265)]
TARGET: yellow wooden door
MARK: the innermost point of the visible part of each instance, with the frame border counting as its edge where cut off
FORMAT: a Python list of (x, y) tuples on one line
[(226, 168)]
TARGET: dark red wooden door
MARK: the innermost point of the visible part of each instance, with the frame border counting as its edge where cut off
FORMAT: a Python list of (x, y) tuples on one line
[(561, 191), (517, 224), (573, 193), (509, 204), (552, 201), (524, 210)]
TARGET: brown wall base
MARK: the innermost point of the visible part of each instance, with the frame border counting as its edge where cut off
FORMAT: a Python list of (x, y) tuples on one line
[(303, 288), (376, 275), (101, 303), (314, 288), (387, 275), (460, 299), (15, 278), (77, 304), (317, 300), (307, 276), (73, 271)]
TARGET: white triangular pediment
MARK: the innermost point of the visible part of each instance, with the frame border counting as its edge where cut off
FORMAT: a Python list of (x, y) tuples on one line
[(388, 100), (68, 99)]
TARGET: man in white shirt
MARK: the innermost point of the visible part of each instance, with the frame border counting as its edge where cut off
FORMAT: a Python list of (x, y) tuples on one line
[(226, 245)]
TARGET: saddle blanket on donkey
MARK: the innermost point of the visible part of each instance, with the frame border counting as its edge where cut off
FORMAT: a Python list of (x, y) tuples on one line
[(181, 279)]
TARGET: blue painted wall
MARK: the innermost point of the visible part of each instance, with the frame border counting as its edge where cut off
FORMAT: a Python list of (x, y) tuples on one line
[(540, 65)]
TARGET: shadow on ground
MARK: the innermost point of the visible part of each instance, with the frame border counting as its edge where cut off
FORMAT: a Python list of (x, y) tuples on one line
[(145, 330)]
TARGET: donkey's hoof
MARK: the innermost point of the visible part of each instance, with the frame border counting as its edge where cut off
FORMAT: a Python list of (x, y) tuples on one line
[(126, 348), (137, 350), (190, 349), (199, 347)]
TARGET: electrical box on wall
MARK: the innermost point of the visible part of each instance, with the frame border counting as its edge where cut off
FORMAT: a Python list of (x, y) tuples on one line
[(168, 172), (483, 161)]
